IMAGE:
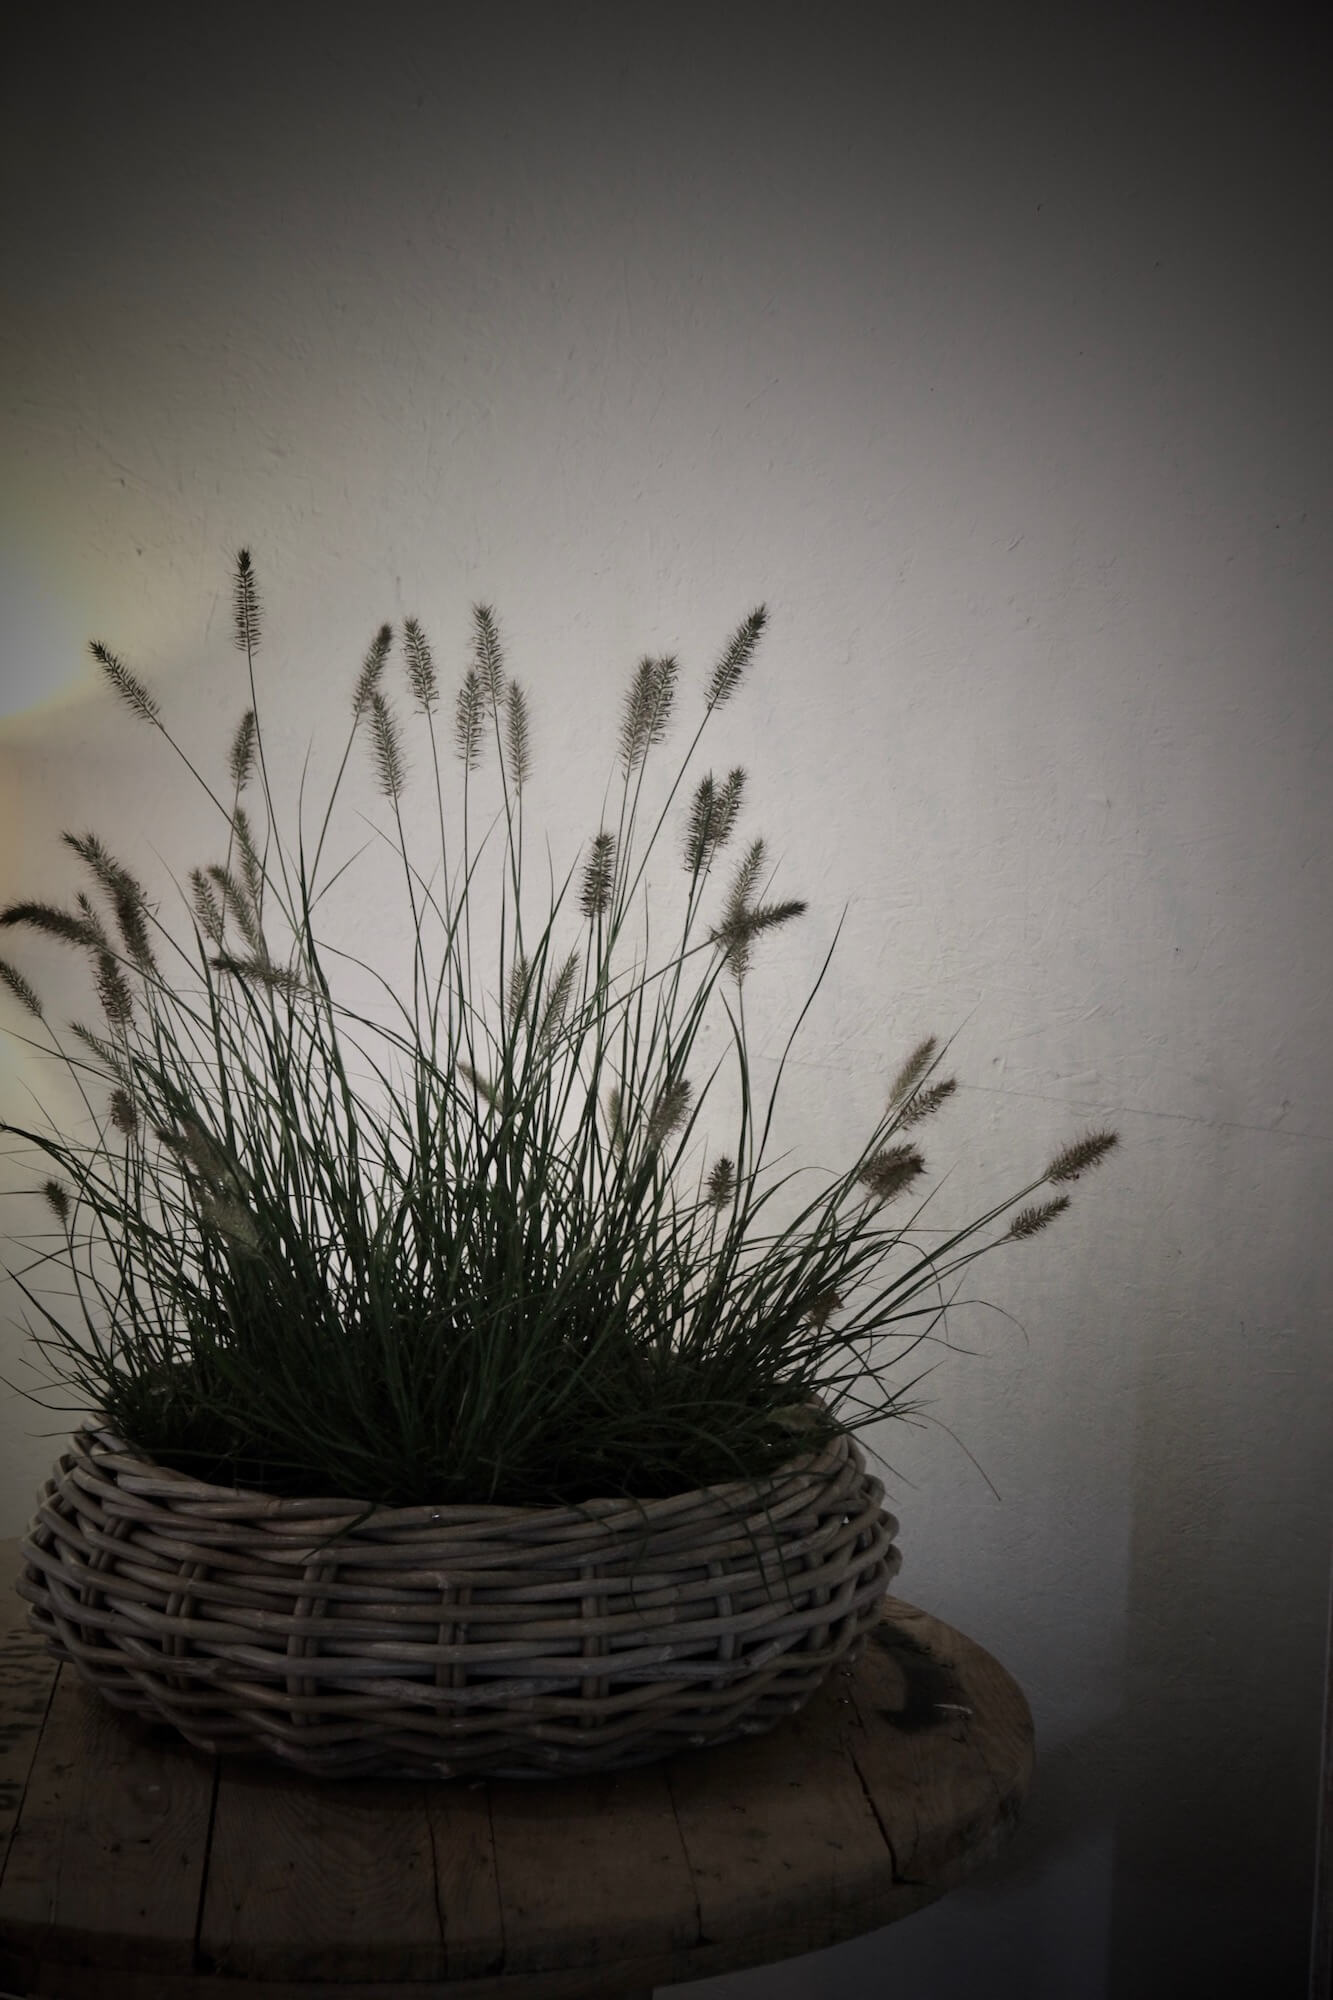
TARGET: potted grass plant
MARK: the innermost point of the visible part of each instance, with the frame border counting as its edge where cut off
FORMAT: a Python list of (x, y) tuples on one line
[(449, 1402)]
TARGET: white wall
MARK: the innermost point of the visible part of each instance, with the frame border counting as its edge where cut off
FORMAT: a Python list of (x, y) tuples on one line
[(992, 354)]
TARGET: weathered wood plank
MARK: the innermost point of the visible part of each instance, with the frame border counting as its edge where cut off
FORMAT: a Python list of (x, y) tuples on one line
[(313, 1880), (467, 1890), (949, 1773), (27, 1676), (784, 1847), (592, 1871), (110, 1846)]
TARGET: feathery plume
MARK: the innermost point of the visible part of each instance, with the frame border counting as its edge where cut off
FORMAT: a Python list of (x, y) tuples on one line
[(647, 708), (698, 831), (251, 866), (712, 818), (22, 989), (736, 657), (669, 1109), (891, 1171), (764, 917), (388, 747), (245, 604), (104, 1052), (519, 974), (912, 1071), (1084, 1153), (745, 881), (741, 921), (98, 940), (1029, 1221), (56, 923), (516, 735), (127, 685), (56, 1196), (124, 1114), (91, 851), (421, 675), (127, 897), (615, 1120), (113, 990), (372, 667), (241, 758), (598, 876), (924, 1103), (488, 656), (235, 899), (559, 993), (468, 718), (721, 1181), (206, 906), (276, 978)]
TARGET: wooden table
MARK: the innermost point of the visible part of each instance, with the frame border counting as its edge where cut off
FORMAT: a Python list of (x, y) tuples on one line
[(135, 1868)]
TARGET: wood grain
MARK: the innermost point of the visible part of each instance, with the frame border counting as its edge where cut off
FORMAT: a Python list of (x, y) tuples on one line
[(948, 1774), (320, 1881), (467, 1889), (592, 1872), (107, 1860), (783, 1843)]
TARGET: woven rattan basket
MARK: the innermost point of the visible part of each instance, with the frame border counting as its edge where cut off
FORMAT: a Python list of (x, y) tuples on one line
[(455, 1641)]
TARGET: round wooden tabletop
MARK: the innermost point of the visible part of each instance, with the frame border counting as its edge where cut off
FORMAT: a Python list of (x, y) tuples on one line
[(135, 1868)]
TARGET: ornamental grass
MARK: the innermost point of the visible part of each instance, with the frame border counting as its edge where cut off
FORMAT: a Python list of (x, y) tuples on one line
[(478, 1247)]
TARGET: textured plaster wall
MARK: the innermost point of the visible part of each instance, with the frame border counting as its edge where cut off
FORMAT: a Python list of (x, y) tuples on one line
[(990, 350)]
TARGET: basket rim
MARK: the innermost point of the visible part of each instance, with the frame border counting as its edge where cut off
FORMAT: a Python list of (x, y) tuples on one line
[(99, 1443)]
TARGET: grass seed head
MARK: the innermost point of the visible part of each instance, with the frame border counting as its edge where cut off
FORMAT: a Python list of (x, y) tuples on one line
[(488, 656), (56, 1196), (891, 1171), (124, 1113), (517, 741), (669, 1109), (387, 741), (245, 604), (1031, 1221), (241, 757), (469, 716), (22, 989), (598, 876), (1084, 1153), (648, 707), (736, 657), (722, 1181), (924, 1103), (372, 671), (421, 675), (127, 685)]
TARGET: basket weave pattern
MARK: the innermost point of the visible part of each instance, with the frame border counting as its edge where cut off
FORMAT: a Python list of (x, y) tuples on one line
[(455, 1641)]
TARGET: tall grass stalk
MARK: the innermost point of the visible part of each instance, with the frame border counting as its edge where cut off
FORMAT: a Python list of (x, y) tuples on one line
[(471, 1247)]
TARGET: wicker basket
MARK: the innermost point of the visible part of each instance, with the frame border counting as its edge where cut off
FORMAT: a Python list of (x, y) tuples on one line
[(455, 1641)]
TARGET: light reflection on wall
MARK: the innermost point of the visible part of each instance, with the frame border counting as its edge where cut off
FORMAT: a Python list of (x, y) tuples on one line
[(40, 639)]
